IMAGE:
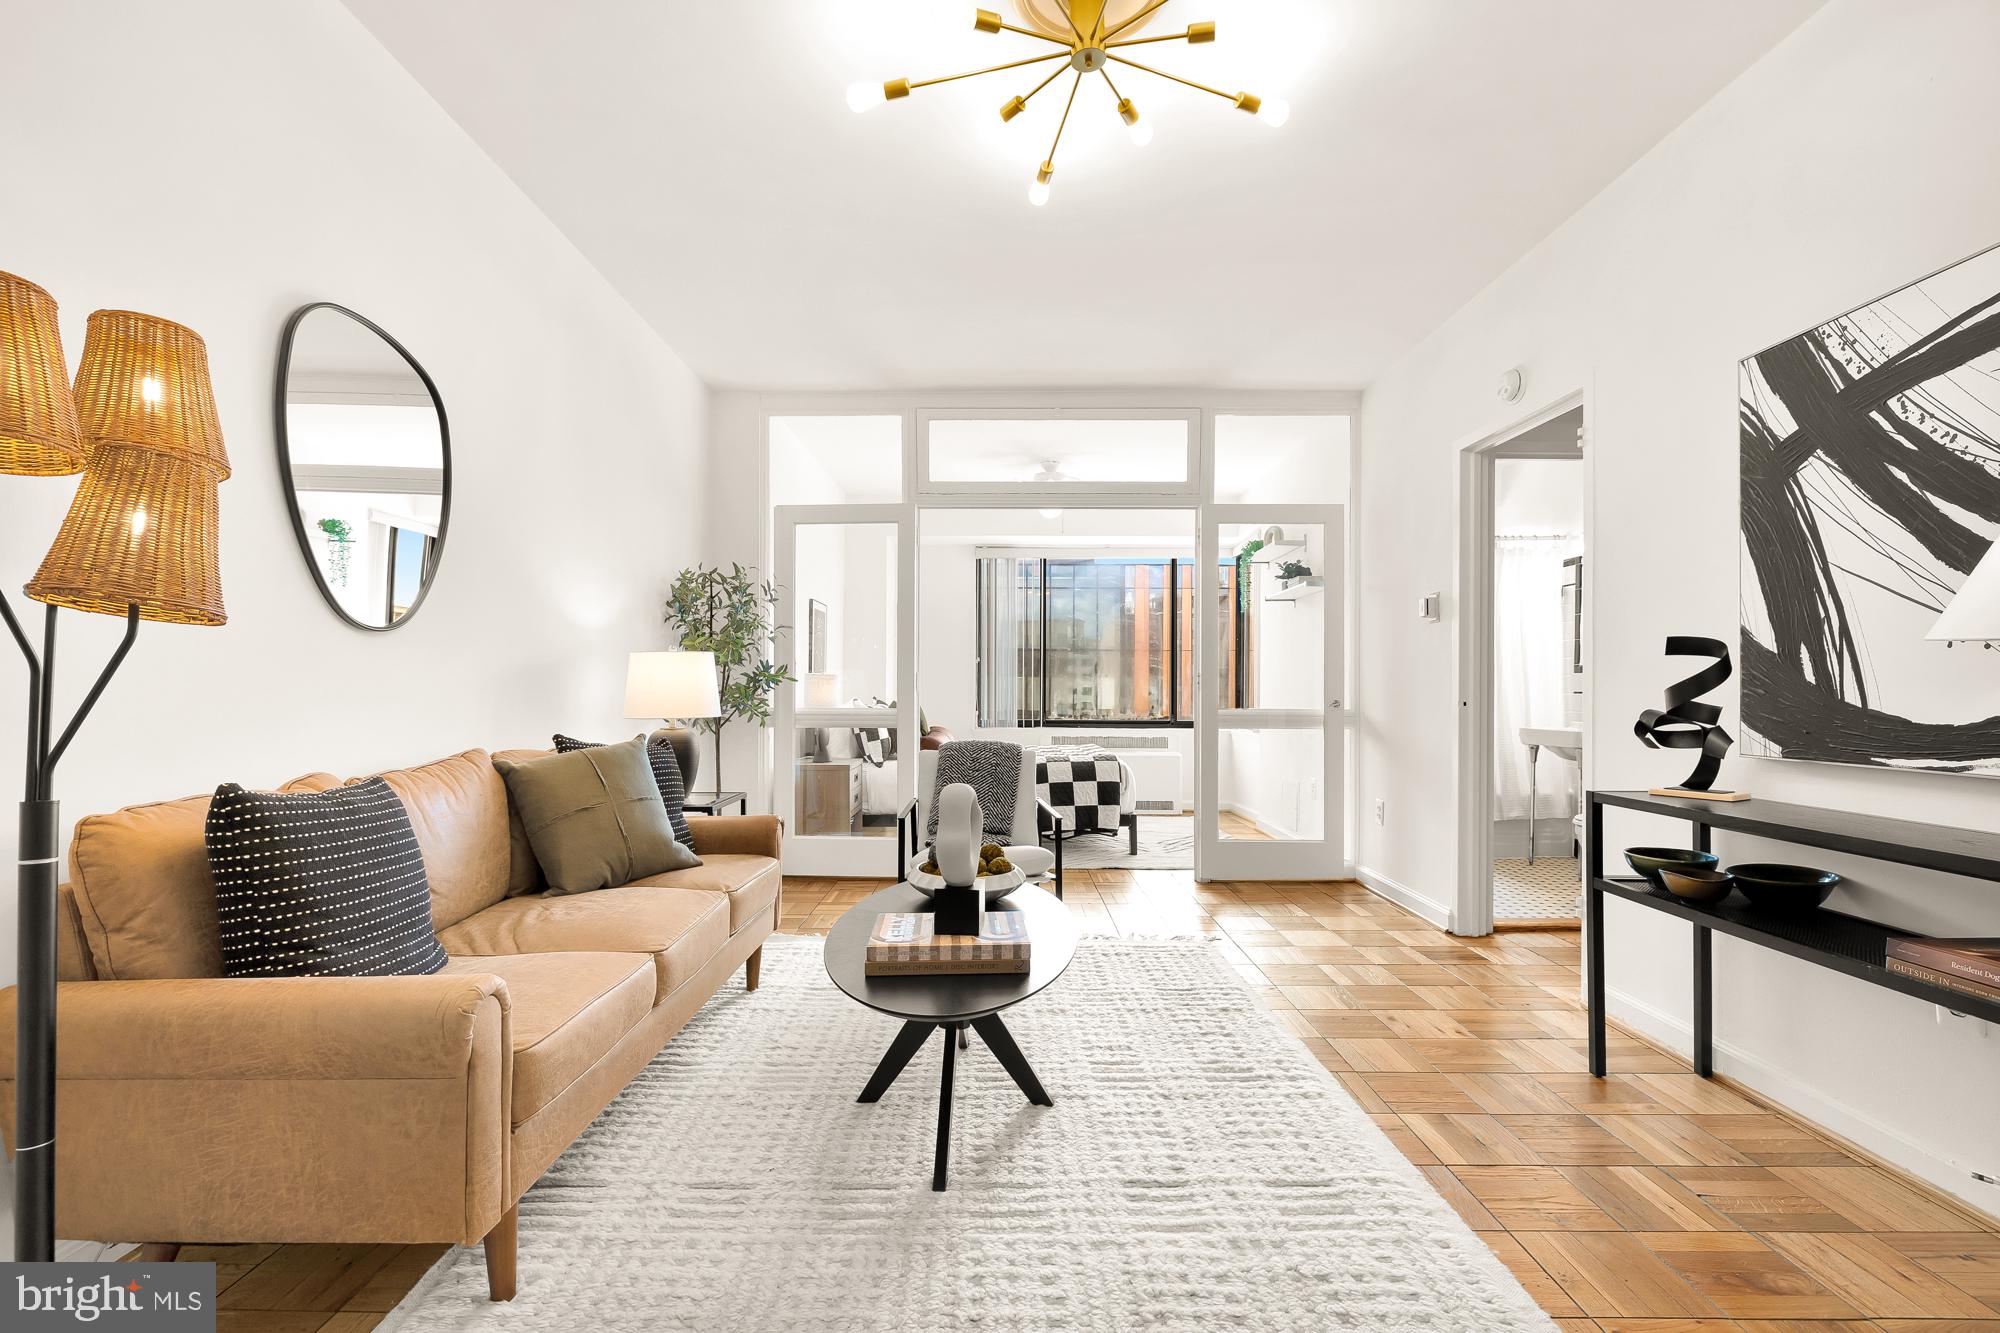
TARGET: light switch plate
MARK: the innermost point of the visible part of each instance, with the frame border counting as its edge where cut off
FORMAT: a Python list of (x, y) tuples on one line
[(1427, 605)]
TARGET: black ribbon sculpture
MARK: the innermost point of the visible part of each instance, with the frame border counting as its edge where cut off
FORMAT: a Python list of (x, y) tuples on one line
[(1685, 723)]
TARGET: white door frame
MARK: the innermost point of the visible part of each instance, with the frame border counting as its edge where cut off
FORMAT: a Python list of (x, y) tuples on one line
[(846, 855), (1201, 405), (1472, 903), (1216, 858)]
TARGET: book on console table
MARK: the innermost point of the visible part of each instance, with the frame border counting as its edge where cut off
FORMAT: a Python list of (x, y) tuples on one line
[(907, 944), (1902, 967), (1975, 960)]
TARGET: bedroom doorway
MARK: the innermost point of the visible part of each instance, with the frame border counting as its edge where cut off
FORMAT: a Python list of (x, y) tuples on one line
[(1068, 630), (1089, 513)]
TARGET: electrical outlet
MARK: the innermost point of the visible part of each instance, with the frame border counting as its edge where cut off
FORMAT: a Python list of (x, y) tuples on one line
[(1381, 811)]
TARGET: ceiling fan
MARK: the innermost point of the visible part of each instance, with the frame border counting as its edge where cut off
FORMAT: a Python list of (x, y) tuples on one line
[(1051, 472)]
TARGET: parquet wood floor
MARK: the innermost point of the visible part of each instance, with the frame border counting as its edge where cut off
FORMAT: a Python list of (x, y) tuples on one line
[(1653, 1201)]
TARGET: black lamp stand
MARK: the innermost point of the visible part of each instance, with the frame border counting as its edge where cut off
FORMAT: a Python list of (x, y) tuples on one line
[(35, 995)]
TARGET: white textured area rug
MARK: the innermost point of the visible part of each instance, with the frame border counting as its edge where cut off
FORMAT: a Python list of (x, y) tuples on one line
[(1198, 1170)]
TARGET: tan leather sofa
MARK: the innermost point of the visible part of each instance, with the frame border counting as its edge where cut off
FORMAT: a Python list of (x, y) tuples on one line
[(197, 1108)]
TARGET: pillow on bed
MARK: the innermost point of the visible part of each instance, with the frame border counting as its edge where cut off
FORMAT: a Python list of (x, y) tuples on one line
[(878, 744)]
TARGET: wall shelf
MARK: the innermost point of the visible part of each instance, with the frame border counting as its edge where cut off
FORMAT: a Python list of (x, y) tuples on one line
[(1297, 589), (1837, 941)]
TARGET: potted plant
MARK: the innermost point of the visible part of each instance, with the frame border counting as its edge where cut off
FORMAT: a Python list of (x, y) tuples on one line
[(1292, 573), (339, 546), (733, 614), (1243, 562)]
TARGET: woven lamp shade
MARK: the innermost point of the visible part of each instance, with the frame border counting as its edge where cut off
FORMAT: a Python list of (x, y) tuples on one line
[(38, 429), (144, 380), (142, 530)]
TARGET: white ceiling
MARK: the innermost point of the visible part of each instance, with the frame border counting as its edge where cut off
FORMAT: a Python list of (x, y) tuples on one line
[(703, 157)]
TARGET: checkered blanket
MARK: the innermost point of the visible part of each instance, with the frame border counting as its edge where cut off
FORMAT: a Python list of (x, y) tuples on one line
[(1083, 783)]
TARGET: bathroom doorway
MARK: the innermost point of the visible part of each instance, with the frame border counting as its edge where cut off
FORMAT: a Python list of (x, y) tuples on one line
[(1524, 673), (1538, 695)]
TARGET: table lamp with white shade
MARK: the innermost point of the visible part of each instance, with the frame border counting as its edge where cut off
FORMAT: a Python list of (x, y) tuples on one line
[(823, 689), (675, 687), (1973, 614)]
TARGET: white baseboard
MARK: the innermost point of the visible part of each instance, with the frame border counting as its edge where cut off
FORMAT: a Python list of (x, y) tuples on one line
[(1798, 1096), (1405, 897)]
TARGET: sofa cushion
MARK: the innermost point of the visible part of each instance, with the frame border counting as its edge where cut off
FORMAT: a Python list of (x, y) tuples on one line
[(681, 928), (666, 776), (595, 816), (319, 884), (567, 1012), (144, 898), (749, 882), (458, 807)]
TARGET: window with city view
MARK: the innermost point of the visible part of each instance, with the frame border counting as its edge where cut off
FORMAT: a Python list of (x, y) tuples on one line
[(1067, 642)]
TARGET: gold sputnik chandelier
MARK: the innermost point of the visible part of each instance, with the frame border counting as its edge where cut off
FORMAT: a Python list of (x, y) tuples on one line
[(1090, 33)]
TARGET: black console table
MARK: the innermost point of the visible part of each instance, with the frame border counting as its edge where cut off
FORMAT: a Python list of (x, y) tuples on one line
[(1830, 939)]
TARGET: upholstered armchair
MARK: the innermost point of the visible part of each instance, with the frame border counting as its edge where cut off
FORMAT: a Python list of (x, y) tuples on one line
[(1032, 818)]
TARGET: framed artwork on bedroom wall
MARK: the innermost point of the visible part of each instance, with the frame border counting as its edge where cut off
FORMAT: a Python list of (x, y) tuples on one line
[(815, 636), (1870, 490)]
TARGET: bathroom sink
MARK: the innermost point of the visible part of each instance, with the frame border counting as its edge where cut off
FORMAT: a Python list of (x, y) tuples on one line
[(1562, 742)]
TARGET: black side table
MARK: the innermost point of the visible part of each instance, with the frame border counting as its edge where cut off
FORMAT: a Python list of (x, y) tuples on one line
[(715, 802)]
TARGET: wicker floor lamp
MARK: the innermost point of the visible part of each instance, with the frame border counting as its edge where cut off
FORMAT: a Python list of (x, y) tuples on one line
[(139, 542)]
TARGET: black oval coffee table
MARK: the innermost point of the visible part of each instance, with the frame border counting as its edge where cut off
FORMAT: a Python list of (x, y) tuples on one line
[(953, 1003)]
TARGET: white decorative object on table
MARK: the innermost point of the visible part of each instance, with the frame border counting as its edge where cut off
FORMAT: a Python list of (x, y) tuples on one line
[(961, 828), (955, 855)]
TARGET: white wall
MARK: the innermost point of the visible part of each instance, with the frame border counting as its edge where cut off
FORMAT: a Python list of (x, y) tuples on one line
[(221, 164), (1845, 164), (1539, 496)]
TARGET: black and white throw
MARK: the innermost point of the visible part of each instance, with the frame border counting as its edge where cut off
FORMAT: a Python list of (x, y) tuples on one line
[(1083, 784), (992, 769)]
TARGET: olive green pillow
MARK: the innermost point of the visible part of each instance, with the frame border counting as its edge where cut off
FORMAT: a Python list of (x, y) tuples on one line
[(594, 817)]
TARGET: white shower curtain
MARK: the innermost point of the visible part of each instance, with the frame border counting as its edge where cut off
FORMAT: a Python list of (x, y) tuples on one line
[(1530, 676)]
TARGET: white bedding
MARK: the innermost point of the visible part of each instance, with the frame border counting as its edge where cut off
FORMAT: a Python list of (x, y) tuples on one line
[(878, 788)]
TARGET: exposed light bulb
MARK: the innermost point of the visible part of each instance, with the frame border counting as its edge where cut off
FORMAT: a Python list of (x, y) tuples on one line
[(864, 96), (1038, 193), (151, 390), (1275, 112), (1141, 132), (138, 522), (1050, 513)]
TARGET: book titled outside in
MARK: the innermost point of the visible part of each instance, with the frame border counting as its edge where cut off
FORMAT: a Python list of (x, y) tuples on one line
[(909, 941)]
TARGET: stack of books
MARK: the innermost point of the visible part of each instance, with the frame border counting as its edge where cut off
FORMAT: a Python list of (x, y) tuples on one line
[(907, 944), (1970, 967)]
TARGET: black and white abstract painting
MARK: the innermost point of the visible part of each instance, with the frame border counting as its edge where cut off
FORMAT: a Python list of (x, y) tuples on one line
[(1871, 487)]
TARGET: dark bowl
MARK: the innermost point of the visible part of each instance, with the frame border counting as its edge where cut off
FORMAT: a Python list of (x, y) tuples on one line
[(1649, 861), (1782, 888), (1697, 885)]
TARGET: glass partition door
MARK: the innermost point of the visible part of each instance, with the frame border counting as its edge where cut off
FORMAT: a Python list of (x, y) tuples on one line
[(846, 727), (1268, 692)]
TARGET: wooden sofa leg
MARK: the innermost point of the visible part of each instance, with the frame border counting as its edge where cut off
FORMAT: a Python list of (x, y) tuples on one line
[(501, 1250), (159, 1252), (753, 968)]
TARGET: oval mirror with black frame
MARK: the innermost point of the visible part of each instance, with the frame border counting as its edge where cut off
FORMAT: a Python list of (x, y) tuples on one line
[(364, 453)]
